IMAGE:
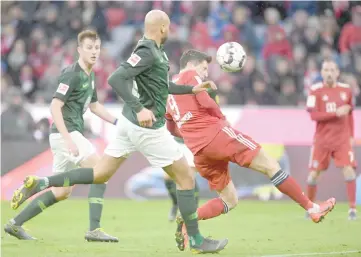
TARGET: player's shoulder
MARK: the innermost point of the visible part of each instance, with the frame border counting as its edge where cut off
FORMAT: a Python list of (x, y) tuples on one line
[(316, 87), (189, 77), (146, 47), (343, 86), (71, 72)]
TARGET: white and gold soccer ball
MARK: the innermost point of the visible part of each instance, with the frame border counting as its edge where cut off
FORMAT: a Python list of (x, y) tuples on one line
[(231, 57)]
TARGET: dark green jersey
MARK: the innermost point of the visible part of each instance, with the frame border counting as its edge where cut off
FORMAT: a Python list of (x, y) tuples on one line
[(77, 90), (143, 81)]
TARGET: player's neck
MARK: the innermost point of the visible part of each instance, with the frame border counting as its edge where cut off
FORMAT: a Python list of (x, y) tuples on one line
[(86, 67), (330, 85), (153, 37)]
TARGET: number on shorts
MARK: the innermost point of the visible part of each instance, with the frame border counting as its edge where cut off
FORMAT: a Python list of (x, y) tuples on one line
[(331, 107), (174, 107), (351, 155)]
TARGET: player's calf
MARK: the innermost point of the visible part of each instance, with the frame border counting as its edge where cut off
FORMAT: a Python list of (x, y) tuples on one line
[(62, 193), (350, 178)]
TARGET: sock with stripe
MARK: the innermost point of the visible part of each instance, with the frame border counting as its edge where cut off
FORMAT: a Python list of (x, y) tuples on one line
[(35, 207), (69, 178), (188, 209), (96, 200), (288, 185), (351, 192), (211, 209)]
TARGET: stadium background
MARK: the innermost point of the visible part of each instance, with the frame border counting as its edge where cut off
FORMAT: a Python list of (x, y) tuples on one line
[(285, 42)]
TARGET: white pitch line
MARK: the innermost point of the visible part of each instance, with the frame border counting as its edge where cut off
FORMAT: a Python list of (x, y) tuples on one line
[(313, 254)]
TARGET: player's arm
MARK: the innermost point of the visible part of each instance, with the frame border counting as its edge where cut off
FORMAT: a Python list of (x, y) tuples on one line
[(67, 83), (172, 126), (176, 89), (100, 111), (207, 102), (122, 79), (316, 114)]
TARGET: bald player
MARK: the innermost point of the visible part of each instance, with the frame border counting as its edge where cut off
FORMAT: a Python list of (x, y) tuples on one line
[(143, 84)]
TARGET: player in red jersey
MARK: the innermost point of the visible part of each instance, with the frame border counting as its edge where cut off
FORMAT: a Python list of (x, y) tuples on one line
[(214, 143), (330, 105)]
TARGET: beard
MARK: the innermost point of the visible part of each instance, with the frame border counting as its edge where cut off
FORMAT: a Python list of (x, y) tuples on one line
[(164, 39)]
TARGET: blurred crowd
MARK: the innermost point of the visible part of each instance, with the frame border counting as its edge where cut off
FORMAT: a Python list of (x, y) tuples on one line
[(285, 42)]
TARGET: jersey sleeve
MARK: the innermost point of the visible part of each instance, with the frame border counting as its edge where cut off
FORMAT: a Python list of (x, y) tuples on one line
[(67, 83), (94, 96), (313, 107), (122, 79)]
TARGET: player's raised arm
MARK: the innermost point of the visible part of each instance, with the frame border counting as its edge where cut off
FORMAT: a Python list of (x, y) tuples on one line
[(175, 89), (122, 79)]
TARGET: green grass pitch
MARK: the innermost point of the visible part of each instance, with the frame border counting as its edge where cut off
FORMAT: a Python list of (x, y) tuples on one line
[(253, 229)]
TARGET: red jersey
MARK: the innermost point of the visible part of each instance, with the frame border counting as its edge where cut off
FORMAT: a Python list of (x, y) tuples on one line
[(322, 103), (197, 117)]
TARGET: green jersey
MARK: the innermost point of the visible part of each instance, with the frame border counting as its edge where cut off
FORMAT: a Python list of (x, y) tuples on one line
[(77, 90), (143, 82)]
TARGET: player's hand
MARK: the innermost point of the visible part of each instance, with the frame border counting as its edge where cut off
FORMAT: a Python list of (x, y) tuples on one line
[(343, 110), (204, 86), (146, 118), (73, 149)]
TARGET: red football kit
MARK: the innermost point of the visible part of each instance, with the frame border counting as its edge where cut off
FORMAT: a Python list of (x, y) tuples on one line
[(333, 133), (206, 132)]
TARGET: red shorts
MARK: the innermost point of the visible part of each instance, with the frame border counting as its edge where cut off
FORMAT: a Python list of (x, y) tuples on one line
[(321, 156), (229, 145)]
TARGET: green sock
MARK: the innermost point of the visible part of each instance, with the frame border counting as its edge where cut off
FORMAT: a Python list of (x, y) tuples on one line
[(34, 208), (96, 199), (70, 178), (196, 193), (188, 209), (172, 190)]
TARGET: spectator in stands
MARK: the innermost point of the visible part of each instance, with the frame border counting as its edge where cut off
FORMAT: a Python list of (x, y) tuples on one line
[(261, 94), (16, 59), (289, 95), (16, 122)]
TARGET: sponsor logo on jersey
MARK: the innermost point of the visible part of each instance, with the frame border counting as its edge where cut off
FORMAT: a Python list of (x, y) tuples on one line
[(134, 59), (62, 88), (343, 96)]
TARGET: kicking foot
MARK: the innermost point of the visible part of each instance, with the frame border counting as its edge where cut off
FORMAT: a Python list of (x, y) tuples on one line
[(325, 207), (208, 245), (352, 214), (17, 231), (173, 213), (27, 190), (98, 235)]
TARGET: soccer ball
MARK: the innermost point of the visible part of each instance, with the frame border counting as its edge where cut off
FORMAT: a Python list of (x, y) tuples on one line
[(231, 57)]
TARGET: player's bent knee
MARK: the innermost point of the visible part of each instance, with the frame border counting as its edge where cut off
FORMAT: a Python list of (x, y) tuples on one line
[(62, 193), (229, 196), (182, 174), (312, 177), (265, 163), (349, 173)]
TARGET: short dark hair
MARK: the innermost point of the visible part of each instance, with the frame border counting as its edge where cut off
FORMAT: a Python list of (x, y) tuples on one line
[(194, 56), (92, 34)]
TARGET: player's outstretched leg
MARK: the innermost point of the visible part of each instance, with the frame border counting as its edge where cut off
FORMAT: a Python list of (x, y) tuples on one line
[(350, 178), (172, 191), (312, 187), (100, 174), (288, 185), (184, 177)]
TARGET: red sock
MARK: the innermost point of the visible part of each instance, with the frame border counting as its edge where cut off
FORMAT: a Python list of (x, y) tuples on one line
[(288, 185), (211, 209), (311, 192), (351, 193)]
